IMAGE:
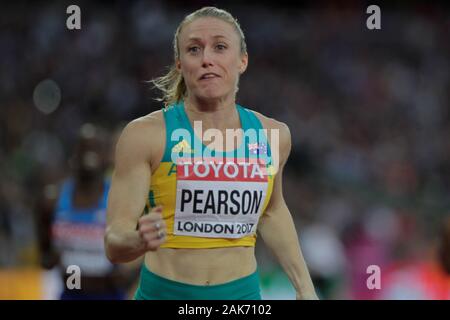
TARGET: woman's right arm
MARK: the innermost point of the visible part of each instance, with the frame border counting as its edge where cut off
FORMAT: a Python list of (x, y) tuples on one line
[(128, 193)]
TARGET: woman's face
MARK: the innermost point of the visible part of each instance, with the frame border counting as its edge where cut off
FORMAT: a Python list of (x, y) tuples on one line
[(210, 58)]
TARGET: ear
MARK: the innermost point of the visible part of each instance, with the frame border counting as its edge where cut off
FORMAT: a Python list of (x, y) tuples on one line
[(178, 65), (243, 63)]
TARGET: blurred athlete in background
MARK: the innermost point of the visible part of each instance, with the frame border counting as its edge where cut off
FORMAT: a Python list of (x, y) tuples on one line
[(72, 229)]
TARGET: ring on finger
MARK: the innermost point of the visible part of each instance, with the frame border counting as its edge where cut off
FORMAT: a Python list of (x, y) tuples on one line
[(157, 226), (160, 234)]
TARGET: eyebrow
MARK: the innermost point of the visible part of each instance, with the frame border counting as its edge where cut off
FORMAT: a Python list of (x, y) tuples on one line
[(216, 37)]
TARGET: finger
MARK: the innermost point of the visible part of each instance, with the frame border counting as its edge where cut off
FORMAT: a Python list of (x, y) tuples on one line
[(151, 216), (153, 226), (157, 209), (155, 243), (152, 235), (149, 236), (157, 222), (161, 234)]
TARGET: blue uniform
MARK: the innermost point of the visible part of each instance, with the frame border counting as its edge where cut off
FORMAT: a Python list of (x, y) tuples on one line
[(78, 236)]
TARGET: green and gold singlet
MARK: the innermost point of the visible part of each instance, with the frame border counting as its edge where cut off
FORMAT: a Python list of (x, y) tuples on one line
[(211, 199)]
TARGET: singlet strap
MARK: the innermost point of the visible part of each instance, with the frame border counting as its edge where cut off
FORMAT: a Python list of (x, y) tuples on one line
[(173, 120)]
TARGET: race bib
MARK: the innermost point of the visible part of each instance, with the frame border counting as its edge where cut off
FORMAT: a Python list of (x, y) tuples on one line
[(219, 199), (82, 245)]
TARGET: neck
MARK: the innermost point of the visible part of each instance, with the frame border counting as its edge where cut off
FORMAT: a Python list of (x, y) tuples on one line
[(201, 105), (217, 113), (88, 186), (87, 192)]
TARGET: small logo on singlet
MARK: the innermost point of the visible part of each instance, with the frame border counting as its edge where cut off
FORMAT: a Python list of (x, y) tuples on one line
[(182, 146), (257, 148)]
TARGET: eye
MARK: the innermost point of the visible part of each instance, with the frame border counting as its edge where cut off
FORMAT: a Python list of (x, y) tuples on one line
[(193, 49), (221, 47)]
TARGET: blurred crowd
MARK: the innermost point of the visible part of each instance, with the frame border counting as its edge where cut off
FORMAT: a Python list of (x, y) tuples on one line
[(368, 179)]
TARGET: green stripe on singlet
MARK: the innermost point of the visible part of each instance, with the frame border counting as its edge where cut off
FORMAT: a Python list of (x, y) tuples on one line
[(151, 198)]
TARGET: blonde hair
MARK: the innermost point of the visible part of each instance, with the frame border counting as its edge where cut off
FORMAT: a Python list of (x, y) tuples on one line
[(172, 84)]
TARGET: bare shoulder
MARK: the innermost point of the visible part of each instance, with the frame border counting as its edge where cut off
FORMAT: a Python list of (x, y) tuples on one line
[(144, 136), (274, 126), (150, 123)]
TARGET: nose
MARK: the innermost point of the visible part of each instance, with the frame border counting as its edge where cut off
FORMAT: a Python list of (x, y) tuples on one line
[(207, 60)]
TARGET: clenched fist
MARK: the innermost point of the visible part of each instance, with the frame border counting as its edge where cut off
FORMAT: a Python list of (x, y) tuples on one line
[(152, 229)]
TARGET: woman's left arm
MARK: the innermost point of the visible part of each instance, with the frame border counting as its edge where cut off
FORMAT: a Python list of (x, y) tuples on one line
[(277, 228)]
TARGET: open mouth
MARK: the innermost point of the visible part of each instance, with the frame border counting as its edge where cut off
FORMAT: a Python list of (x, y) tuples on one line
[(209, 75)]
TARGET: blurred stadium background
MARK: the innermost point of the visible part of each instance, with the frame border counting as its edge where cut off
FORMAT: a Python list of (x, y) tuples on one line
[(368, 181)]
